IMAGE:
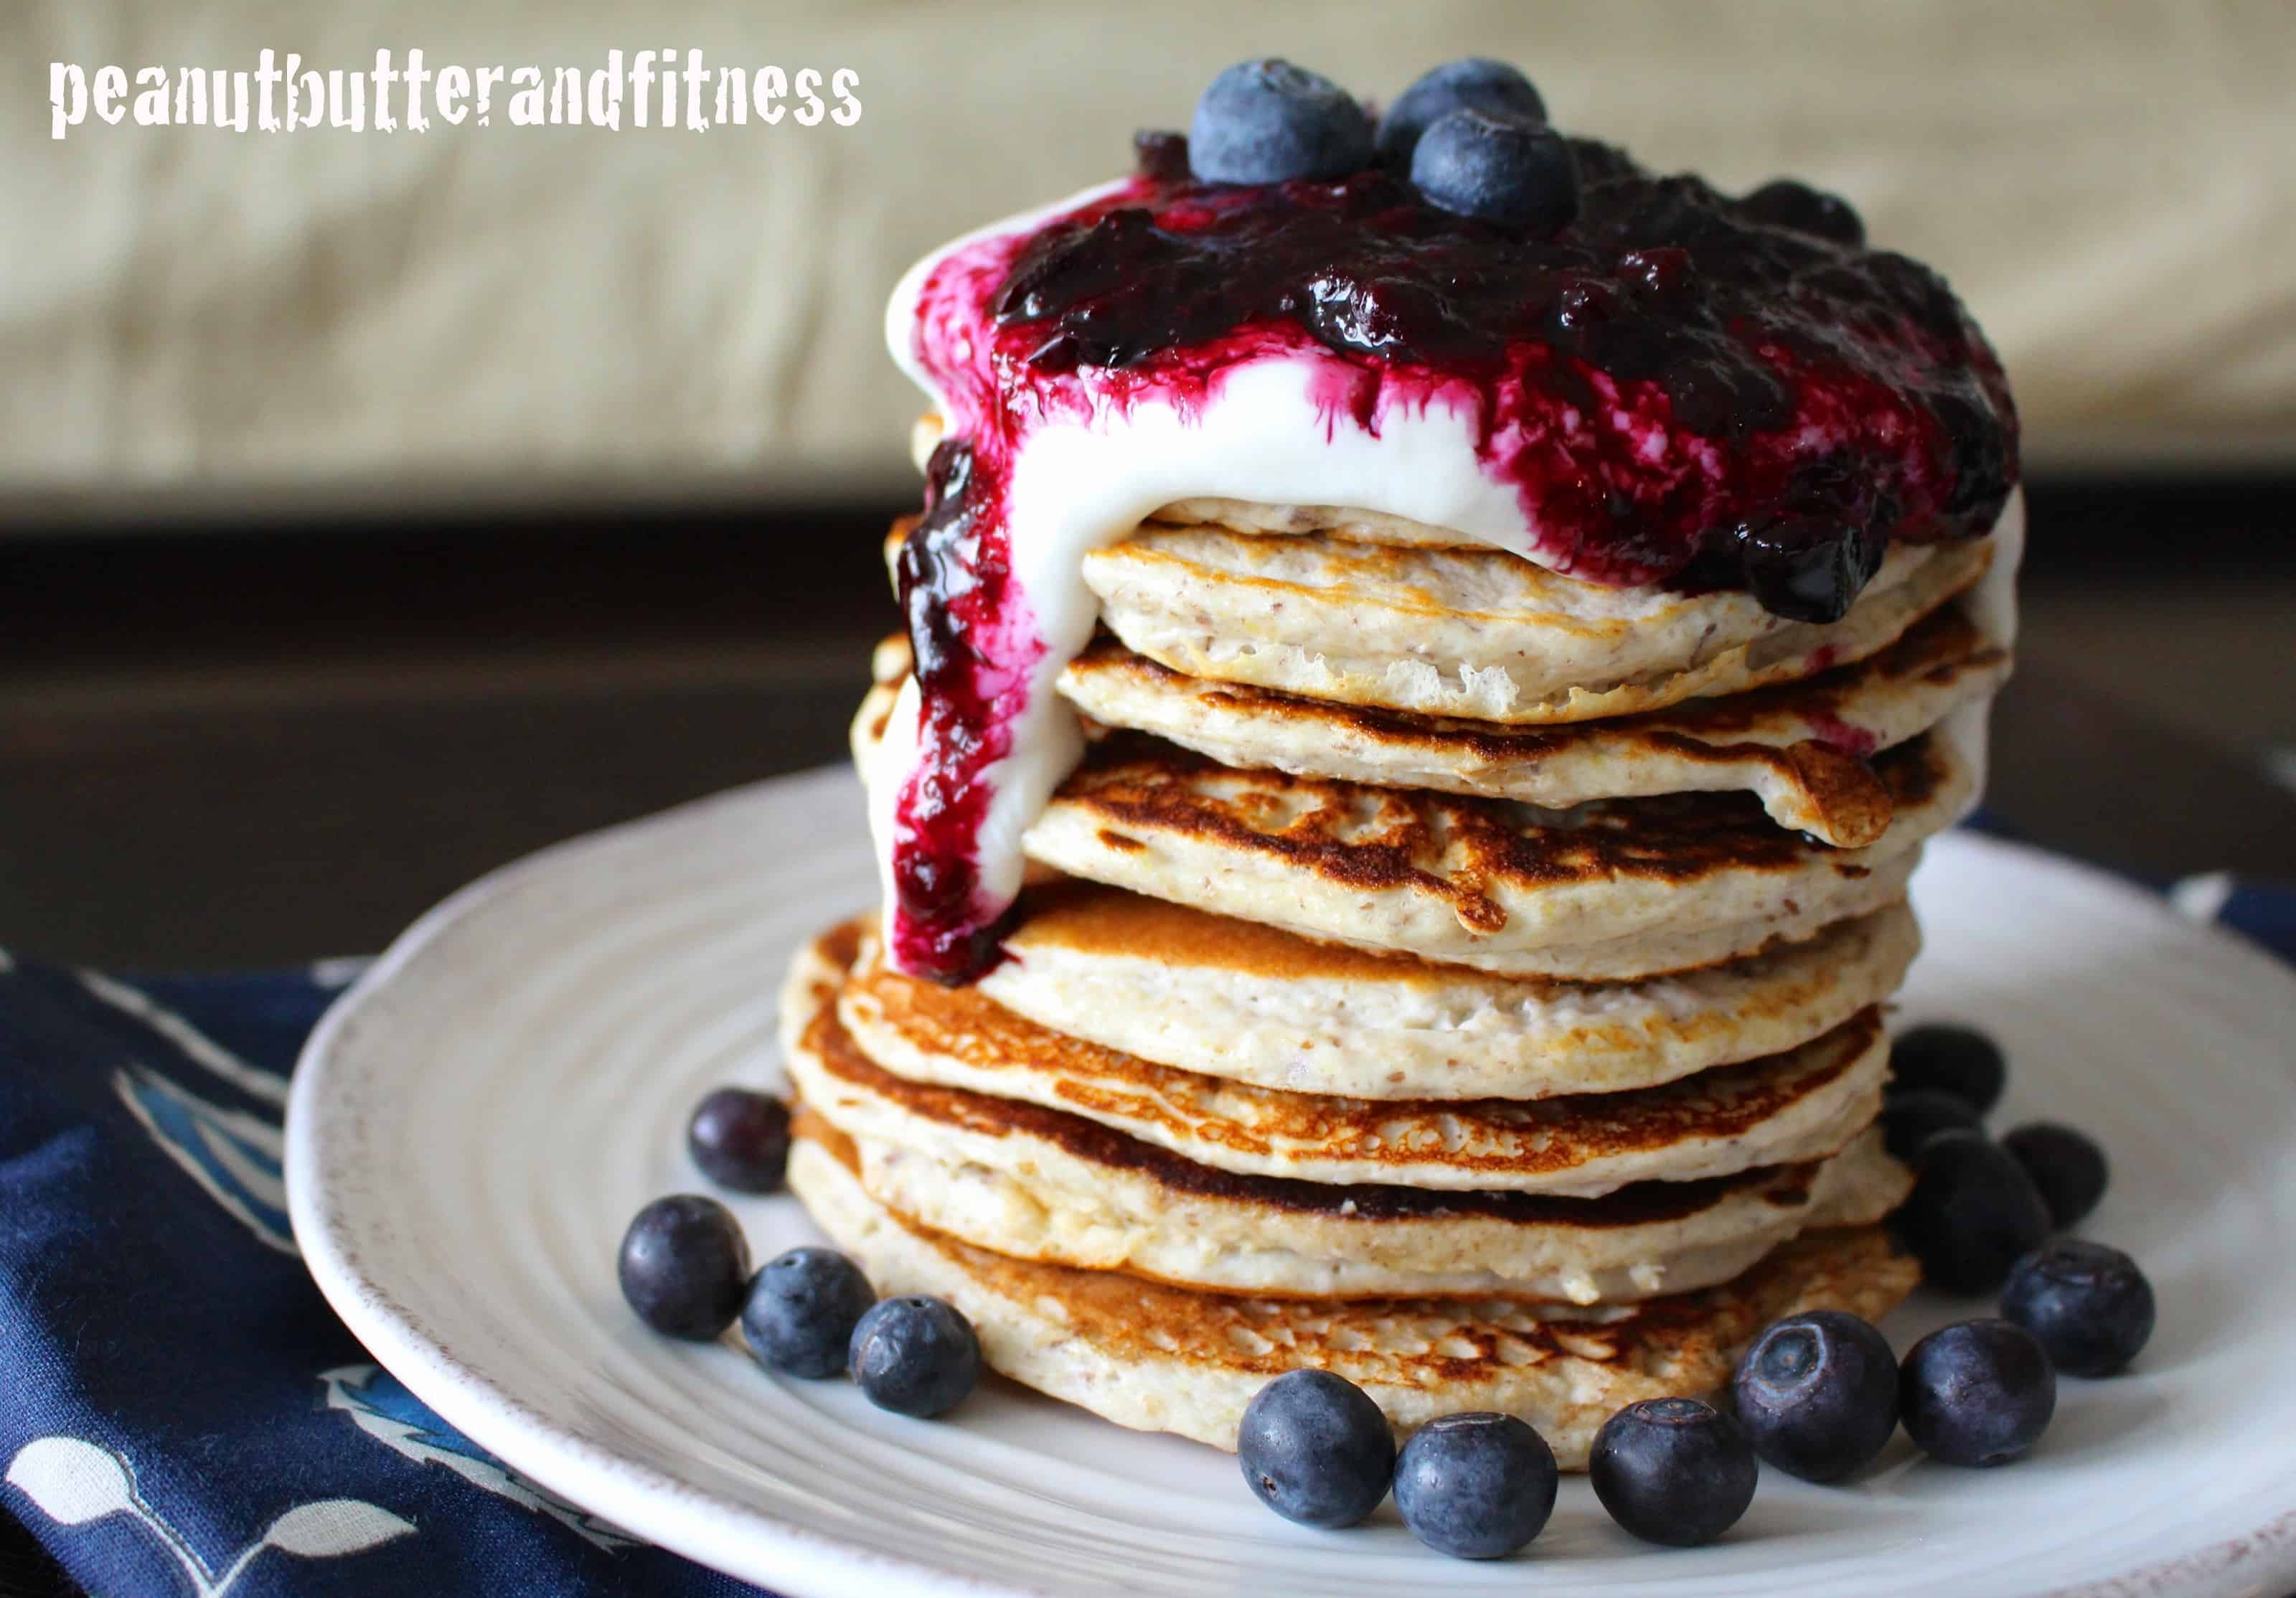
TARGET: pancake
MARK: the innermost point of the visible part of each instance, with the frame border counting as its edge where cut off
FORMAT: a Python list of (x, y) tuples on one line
[(1617, 890), (1253, 1004), (1610, 891), (1042, 1183), (1480, 634), (1801, 1105), (1797, 747), (1658, 1237), (1160, 1359)]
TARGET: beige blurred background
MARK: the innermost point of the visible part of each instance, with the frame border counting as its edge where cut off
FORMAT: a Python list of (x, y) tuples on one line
[(326, 320)]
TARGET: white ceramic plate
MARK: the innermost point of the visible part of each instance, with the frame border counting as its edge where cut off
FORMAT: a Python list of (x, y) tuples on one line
[(473, 1127)]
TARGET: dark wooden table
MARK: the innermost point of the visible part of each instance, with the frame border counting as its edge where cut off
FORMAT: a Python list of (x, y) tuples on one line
[(222, 749)]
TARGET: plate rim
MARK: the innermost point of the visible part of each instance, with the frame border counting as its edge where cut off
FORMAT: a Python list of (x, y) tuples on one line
[(665, 1510), (672, 1514)]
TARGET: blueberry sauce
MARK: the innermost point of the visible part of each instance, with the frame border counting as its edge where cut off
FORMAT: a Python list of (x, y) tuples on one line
[(1676, 388), (957, 596), (1663, 380)]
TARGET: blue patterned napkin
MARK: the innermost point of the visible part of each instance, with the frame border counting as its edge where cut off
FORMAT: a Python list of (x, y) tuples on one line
[(180, 1413)]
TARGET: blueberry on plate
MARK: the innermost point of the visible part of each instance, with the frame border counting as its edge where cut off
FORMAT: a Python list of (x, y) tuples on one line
[(740, 1139), (1978, 1393), (1265, 121), (1817, 1393), (1315, 1449), (1785, 203), (1474, 84), (1674, 1471), (683, 1265), (1960, 1061), (914, 1356), (1475, 1486), (1973, 1214), (2089, 1306), (1499, 168), (1910, 1119), (801, 1309), (2066, 1165)]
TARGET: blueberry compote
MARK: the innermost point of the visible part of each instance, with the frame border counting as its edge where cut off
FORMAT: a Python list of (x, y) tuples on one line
[(1678, 387), (1675, 387), (956, 591)]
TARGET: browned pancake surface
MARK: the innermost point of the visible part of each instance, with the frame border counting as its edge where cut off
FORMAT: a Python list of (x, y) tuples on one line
[(1580, 1126)]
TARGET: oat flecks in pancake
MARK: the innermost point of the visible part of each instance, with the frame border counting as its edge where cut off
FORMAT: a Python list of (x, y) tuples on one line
[(1614, 892), (1480, 634), (1801, 1105), (1447, 877), (1254, 1004), (1553, 1136), (1162, 1358), (1041, 1184), (1798, 746)]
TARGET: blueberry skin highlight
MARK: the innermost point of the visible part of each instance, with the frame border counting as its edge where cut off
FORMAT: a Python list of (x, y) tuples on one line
[(2066, 1165), (1315, 1449), (914, 1356), (1817, 1393), (1267, 121), (2089, 1306), (1476, 1486), (1674, 1471), (1952, 1059), (1501, 169), (1475, 83), (1978, 1393), (741, 1140), (683, 1265), (801, 1309), (1973, 1213)]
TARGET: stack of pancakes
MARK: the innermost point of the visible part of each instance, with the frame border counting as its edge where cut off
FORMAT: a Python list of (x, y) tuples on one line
[(1453, 974)]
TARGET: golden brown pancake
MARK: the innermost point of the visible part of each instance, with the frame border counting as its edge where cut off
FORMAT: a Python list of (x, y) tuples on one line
[(1254, 1004), (1155, 1357), (1799, 747), (951, 1054), (1041, 1183)]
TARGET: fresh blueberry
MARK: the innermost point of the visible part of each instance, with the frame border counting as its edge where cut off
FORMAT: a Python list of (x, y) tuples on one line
[(1674, 1471), (914, 1356), (1960, 1061), (1978, 1393), (1475, 1486), (801, 1310), (1315, 1449), (683, 1265), (1475, 84), (2089, 1306), (1817, 1393), (1264, 121), (1910, 1119), (1786, 203), (1498, 169), (1973, 1214), (740, 1139), (2067, 1165)]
